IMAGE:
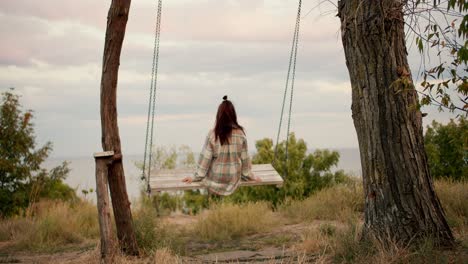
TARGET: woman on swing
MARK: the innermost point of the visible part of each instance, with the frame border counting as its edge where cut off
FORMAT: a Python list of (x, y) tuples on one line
[(224, 160)]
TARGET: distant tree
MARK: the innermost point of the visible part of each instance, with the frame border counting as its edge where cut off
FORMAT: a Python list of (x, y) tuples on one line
[(303, 172), (22, 180), (447, 149)]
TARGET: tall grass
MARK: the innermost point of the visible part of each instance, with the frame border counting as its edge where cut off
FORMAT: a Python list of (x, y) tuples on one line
[(50, 225), (454, 199), (227, 221), (339, 203), (152, 234), (345, 244)]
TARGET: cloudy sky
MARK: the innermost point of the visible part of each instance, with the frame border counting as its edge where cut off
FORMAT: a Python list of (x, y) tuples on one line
[(51, 52)]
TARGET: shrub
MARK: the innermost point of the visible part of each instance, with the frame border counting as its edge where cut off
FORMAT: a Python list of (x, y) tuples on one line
[(447, 149)]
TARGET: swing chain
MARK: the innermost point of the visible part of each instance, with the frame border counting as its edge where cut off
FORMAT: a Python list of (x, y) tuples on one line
[(291, 75), (152, 101)]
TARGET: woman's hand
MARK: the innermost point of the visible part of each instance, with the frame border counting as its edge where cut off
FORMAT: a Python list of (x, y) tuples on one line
[(187, 180), (257, 179)]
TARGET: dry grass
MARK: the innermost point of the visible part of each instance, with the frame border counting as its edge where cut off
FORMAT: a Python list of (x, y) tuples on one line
[(152, 234), (345, 245), (228, 221), (50, 225), (454, 197), (338, 203), (163, 255)]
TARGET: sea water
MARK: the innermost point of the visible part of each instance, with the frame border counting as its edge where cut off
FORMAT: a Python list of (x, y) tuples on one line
[(82, 171)]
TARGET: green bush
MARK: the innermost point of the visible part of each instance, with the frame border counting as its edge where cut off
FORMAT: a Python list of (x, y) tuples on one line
[(195, 201), (22, 180), (303, 173), (447, 149)]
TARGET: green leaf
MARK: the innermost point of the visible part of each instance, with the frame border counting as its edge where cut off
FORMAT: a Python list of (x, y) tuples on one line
[(420, 45)]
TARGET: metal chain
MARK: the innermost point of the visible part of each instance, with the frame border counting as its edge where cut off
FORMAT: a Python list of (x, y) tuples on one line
[(293, 79), (152, 100), (292, 63), (285, 92)]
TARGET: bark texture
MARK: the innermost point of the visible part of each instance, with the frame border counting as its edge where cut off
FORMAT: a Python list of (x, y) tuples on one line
[(103, 202), (400, 202), (115, 33)]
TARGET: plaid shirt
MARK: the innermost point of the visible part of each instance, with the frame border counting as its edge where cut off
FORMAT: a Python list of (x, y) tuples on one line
[(224, 166)]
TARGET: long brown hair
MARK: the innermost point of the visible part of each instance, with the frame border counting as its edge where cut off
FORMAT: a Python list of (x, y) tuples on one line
[(226, 121)]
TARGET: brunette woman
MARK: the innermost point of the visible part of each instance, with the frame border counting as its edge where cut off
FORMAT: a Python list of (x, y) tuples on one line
[(224, 160)]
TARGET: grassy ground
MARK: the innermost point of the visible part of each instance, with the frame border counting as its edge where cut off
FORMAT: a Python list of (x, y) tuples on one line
[(324, 228)]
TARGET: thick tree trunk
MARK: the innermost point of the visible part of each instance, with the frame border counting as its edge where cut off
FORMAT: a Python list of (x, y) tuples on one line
[(116, 24), (400, 202)]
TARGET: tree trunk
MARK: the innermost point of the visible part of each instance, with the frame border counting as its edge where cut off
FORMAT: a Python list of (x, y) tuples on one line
[(103, 160), (116, 24), (400, 202)]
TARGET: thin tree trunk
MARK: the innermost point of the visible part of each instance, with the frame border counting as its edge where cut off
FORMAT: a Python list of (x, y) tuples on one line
[(400, 202), (116, 24), (103, 160)]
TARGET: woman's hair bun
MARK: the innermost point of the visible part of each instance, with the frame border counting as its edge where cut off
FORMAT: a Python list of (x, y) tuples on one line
[(225, 97)]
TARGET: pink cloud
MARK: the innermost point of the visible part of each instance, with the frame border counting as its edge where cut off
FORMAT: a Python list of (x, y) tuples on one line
[(209, 20), (86, 11)]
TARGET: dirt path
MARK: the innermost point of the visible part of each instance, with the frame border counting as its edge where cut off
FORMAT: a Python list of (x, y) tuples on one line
[(276, 246), (74, 255), (282, 245)]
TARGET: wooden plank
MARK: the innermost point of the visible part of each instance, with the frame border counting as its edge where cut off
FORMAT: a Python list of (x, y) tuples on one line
[(260, 167), (166, 180), (184, 186), (178, 178), (104, 154), (181, 176), (103, 206), (255, 168), (179, 185)]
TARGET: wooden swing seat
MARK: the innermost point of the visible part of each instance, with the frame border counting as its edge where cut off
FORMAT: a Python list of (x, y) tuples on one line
[(171, 180)]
